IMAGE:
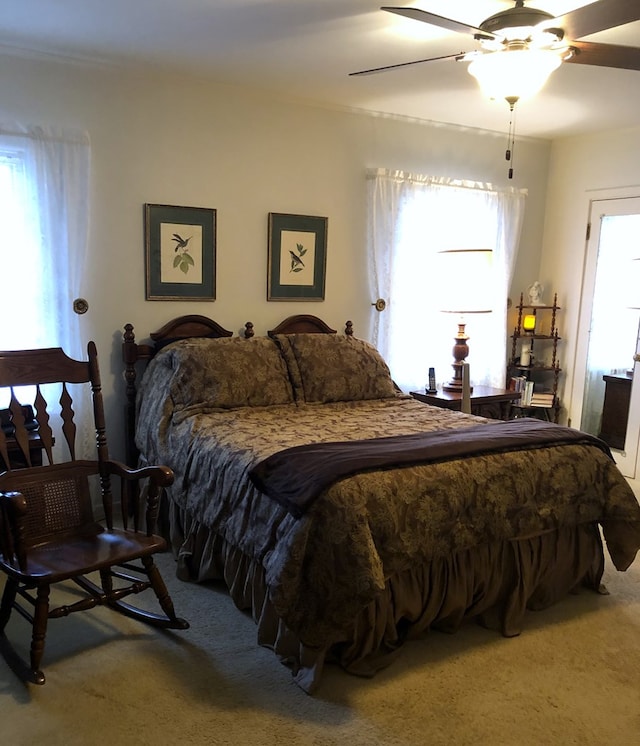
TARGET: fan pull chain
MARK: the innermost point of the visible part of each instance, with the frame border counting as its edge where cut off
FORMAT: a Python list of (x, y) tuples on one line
[(511, 139)]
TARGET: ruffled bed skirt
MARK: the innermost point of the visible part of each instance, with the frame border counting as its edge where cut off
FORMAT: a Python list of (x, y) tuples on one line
[(494, 584)]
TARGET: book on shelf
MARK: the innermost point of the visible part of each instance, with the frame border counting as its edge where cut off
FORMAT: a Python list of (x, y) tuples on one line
[(517, 383), (525, 387), (529, 396), (542, 399)]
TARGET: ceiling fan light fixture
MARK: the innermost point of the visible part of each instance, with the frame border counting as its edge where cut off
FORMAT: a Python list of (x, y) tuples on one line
[(533, 38), (514, 73)]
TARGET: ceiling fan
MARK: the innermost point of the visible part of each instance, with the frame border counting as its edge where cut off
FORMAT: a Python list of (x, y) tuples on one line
[(520, 47), (518, 39)]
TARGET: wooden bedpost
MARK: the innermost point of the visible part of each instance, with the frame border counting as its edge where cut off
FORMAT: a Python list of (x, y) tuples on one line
[(130, 356), (132, 352)]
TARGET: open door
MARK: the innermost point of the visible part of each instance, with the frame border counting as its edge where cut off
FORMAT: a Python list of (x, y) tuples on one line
[(609, 329)]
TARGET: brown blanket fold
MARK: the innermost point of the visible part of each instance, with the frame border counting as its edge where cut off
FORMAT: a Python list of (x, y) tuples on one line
[(296, 476)]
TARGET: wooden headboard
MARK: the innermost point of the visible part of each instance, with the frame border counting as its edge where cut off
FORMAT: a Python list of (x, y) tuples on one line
[(305, 323), (185, 327)]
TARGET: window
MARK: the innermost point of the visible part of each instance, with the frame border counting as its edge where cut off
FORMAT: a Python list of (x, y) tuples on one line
[(44, 186), (413, 219), (22, 280)]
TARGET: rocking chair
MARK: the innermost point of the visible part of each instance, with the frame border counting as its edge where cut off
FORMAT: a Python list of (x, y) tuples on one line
[(48, 533)]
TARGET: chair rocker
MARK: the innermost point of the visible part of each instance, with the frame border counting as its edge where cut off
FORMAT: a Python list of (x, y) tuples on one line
[(48, 533)]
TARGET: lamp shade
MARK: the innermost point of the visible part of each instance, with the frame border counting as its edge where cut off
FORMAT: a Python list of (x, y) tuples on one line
[(468, 284), (514, 73)]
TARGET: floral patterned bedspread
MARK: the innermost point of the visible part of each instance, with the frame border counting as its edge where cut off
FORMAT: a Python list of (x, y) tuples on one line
[(323, 568)]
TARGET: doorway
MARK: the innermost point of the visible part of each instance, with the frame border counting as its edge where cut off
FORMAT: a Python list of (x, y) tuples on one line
[(609, 323)]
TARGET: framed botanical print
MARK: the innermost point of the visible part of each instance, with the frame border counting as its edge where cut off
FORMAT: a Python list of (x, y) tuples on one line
[(180, 252), (297, 257)]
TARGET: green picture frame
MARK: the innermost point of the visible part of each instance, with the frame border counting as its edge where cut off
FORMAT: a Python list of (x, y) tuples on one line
[(297, 257), (180, 252)]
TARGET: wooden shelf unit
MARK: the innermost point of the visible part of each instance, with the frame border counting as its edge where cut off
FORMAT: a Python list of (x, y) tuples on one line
[(545, 373)]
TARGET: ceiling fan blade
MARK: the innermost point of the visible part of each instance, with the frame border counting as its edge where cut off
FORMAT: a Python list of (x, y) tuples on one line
[(605, 55), (408, 64), (422, 15), (599, 16)]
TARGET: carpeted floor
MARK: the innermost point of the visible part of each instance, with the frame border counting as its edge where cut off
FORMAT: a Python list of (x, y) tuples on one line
[(572, 677)]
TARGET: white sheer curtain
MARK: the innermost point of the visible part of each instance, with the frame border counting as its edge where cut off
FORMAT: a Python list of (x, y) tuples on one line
[(412, 218), (45, 213), (44, 208)]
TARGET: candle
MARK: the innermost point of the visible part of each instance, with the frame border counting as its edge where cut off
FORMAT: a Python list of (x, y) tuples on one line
[(529, 323)]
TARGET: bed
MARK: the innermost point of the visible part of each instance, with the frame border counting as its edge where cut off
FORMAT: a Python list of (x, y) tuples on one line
[(347, 517)]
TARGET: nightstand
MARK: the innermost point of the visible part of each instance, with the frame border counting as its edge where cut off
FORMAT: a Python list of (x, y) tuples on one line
[(495, 404)]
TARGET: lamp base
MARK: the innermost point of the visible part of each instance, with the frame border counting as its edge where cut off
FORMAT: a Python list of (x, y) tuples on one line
[(450, 388), (455, 384), (460, 352)]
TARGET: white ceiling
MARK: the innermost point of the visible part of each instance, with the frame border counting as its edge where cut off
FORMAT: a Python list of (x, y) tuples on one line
[(304, 49)]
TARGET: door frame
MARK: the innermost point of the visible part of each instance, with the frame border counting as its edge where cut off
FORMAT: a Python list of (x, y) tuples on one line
[(584, 318)]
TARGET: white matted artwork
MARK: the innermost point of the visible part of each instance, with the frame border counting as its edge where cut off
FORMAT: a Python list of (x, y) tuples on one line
[(180, 253), (297, 257)]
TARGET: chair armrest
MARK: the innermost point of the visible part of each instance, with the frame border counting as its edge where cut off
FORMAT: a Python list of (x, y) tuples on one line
[(161, 475), (13, 509), (158, 478)]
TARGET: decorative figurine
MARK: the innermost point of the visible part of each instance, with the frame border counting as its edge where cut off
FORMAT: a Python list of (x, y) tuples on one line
[(535, 294)]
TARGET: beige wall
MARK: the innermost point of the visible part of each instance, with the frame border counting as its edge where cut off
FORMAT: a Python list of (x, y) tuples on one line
[(168, 139)]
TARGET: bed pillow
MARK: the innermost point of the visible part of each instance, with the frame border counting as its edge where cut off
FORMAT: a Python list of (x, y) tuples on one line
[(284, 343), (227, 373), (331, 368)]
